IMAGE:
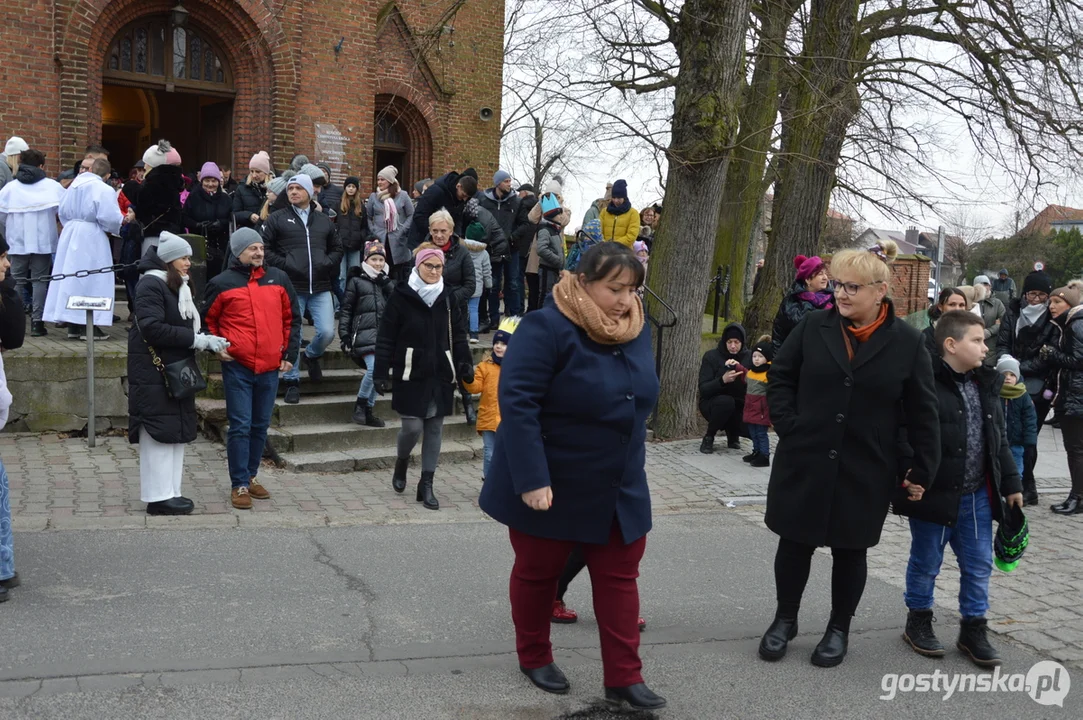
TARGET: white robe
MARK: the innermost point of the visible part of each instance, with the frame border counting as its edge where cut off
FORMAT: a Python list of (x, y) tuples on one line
[(88, 211), (29, 215)]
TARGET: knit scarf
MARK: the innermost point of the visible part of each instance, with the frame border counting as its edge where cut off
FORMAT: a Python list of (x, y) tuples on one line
[(619, 209), (391, 213), (862, 334), (1011, 392), (819, 300), (185, 303), (372, 272), (574, 303), (429, 293), (1030, 315)]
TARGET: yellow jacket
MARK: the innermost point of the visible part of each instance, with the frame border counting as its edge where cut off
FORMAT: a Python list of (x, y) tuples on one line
[(486, 382), (623, 228)]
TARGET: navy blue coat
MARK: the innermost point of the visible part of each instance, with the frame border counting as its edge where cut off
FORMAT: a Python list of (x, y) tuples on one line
[(574, 417)]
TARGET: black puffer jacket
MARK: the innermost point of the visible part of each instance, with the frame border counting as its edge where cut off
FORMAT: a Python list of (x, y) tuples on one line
[(505, 209), (158, 205), (12, 320), (159, 320), (459, 275), (309, 255), (441, 194), (352, 230), (940, 503), (1026, 344), (248, 201), (523, 234), (792, 311), (1064, 358), (713, 366), (208, 215), (495, 238), (363, 303)]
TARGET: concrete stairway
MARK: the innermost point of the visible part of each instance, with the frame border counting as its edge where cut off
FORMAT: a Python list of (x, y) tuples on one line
[(317, 435)]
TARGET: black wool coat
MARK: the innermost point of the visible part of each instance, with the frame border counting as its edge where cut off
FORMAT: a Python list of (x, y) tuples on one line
[(248, 201), (441, 194), (158, 205), (1025, 345), (352, 230), (149, 405), (208, 215), (363, 305), (1065, 359), (838, 423), (421, 351), (713, 366)]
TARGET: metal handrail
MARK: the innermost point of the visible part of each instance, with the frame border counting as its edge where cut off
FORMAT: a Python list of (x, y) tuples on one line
[(660, 334)]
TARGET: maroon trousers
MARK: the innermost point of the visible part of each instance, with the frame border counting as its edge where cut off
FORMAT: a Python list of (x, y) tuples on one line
[(613, 569)]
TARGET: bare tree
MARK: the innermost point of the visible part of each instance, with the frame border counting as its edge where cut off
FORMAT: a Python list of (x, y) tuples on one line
[(964, 229)]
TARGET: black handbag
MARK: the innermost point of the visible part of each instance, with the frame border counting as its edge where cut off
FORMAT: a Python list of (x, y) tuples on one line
[(182, 378)]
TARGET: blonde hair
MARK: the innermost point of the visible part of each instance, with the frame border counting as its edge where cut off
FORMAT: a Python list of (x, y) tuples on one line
[(1076, 284), (13, 161), (872, 265), (350, 203), (442, 215), (265, 210), (968, 293)]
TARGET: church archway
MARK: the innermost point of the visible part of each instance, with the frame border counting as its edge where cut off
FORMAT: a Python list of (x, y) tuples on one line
[(401, 137)]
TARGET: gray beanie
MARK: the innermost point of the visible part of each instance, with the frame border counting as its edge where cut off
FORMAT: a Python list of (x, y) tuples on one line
[(242, 238), (1007, 363), (982, 280), (313, 172), (298, 162), (172, 247), (277, 186)]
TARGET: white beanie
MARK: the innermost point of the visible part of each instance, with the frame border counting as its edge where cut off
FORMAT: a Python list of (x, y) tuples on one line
[(15, 146), (982, 280), (554, 187), (1007, 363), (389, 173), (155, 156), (172, 247), (303, 180)]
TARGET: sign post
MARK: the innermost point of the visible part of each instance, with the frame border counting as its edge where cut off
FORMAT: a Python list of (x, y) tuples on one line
[(90, 305), (939, 259)]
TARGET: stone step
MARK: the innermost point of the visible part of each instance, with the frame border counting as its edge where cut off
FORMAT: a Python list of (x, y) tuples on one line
[(335, 359), (335, 382), (363, 459), (341, 437)]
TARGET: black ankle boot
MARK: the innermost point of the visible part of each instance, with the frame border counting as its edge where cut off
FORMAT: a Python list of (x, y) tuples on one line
[(370, 418), (548, 678), (359, 408), (707, 446), (398, 480), (832, 647), (974, 642), (637, 697), (919, 634), (777, 638), (424, 492), (1070, 506)]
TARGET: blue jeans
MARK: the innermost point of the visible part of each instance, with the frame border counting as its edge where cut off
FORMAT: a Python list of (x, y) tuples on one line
[(7, 550), (1017, 454), (505, 275), (350, 259), (488, 437), (972, 541), (368, 387), (250, 400), (760, 443), (472, 306), (322, 309)]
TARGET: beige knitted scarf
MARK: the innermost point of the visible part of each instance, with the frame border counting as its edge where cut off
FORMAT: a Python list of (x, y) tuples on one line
[(575, 304)]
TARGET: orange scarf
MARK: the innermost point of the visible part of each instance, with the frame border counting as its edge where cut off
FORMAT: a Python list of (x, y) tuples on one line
[(862, 334)]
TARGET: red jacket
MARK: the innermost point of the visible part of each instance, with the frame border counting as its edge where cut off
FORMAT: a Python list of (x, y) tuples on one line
[(256, 310)]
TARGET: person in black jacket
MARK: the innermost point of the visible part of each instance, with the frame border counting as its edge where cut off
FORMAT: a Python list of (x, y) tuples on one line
[(304, 243), (834, 395), (207, 212), (248, 198), (157, 205), (1025, 328), (496, 243), (363, 305), (503, 203), (722, 387), (521, 239), (976, 470), (166, 327), (448, 193), (1064, 357), (422, 347), (330, 195), (352, 226), (809, 292)]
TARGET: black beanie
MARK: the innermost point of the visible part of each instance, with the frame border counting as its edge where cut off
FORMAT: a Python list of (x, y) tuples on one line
[(355, 181), (765, 348), (1039, 281)]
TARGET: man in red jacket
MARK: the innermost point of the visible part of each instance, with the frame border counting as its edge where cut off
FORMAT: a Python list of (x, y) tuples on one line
[(255, 308)]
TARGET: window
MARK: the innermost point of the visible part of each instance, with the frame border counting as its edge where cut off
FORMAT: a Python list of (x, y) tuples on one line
[(152, 50), (388, 133)]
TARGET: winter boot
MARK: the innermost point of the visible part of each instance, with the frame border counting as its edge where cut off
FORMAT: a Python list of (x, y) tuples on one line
[(974, 642), (751, 456), (398, 480), (469, 411), (371, 420), (831, 650), (707, 446), (919, 634), (424, 492), (760, 461), (1071, 506), (777, 638), (359, 410)]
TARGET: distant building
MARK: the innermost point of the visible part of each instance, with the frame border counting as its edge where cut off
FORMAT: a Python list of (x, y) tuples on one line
[(1052, 218)]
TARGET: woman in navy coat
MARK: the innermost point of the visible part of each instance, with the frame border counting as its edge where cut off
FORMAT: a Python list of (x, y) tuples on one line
[(576, 388)]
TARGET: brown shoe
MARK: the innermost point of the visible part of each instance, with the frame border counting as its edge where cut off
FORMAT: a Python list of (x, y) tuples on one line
[(258, 491), (241, 499)]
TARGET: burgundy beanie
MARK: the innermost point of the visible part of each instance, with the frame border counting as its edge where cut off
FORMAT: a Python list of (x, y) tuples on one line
[(807, 266)]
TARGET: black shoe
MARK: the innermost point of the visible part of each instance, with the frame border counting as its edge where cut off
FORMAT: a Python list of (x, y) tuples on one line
[(777, 638), (371, 420), (1071, 506), (760, 461), (37, 329), (186, 501), (4, 594), (637, 697), (60, 325), (11, 582), (293, 394), (1030, 498), (398, 480), (734, 444), (750, 456), (359, 407), (707, 446), (974, 642), (99, 334), (315, 372), (832, 647), (424, 492), (483, 327), (173, 506), (548, 678), (919, 634)]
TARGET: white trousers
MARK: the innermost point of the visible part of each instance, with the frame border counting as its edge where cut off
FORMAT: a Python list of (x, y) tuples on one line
[(160, 468)]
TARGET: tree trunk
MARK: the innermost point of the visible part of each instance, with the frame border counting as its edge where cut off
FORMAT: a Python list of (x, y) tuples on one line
[(820, 101), (709, 38)]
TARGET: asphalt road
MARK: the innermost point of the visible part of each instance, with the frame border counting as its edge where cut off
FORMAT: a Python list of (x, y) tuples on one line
[(412, 621)]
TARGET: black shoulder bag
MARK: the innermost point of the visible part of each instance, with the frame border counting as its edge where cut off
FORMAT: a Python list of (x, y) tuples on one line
[(182, 378)]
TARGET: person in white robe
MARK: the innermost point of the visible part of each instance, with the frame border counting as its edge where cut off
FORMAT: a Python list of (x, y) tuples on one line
[(88, 211)]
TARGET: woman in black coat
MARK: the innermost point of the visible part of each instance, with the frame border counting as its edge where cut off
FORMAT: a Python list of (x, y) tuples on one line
[(167, 321), (207, 212), (352, 226), (422, 347), (809, 292), (1064, 358), (834, 391), (158, 206), (248, 199), (367, 291)]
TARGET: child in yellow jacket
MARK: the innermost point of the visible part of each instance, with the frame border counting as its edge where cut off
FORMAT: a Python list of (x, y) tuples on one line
[(487, 382)]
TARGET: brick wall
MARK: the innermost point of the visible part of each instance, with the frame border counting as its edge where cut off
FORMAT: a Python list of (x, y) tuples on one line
[(909, 283), (286, 74)]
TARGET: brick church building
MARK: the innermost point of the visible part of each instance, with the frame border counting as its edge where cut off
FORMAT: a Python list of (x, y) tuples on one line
[(357, 83)]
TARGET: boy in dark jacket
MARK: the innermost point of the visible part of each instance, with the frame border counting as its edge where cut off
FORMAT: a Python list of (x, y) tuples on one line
[(363, 303), (722, 388), (976, 470), (1019, 415), (756, 414)]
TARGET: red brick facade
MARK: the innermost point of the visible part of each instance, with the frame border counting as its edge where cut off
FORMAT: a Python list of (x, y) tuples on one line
[(909, 283), (286, 73)]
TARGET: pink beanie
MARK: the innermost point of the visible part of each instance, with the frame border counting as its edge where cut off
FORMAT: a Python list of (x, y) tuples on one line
[(260, 161), (172, 157), (427, 253), (807, 267), (209, 170)]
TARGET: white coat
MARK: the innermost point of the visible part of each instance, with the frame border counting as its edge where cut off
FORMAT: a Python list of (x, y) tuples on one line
[(88, 211), (29, 215)]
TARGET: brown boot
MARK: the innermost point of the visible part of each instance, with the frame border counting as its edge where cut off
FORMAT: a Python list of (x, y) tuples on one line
[(241, 499), (258, 491)]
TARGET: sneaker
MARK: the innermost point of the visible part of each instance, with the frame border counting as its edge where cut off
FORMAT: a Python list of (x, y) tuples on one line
[(75, 334), (293, 394), (99, 334), (562, 613), (256, 490), (240, 498), (37, 329), (473, 338), (315, 372), (760, 461)]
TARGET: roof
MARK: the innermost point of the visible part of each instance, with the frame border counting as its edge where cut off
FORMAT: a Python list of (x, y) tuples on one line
[(874, 235), (1042, 222)]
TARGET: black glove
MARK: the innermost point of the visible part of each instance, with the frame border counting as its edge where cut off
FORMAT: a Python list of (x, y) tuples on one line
[(466, 373), (345, 345), (382, 386)]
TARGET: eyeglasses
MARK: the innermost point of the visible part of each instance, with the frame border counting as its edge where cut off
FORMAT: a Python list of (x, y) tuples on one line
[(1037, 296), (852, 289), (433, 268)]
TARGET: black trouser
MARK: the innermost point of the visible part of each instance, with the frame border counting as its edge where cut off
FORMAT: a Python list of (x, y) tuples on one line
[(848, 574), (1030, 452), (723, 412), (533, 301), (1071, 432), (576, 562)]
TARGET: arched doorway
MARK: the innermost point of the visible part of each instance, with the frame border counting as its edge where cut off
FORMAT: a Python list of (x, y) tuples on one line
[(164, 81), (401, 138)]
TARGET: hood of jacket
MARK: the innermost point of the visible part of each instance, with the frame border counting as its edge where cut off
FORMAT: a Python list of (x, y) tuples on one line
[(722, 342), (474, 245), (28, 174), (491, 194), (151, 261)]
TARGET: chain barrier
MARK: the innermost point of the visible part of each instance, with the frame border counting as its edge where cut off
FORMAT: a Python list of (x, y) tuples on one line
[(83, 273)]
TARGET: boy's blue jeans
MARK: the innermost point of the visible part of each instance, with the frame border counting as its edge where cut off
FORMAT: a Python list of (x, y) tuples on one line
[(972, 541), (760, 443), (367, 391), (472, 305), (1017, 453), (488, 437)]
